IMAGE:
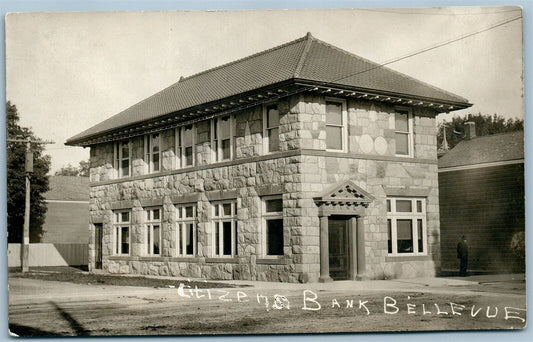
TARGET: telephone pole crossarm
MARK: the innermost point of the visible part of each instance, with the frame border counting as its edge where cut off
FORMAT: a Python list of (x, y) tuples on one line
[(31, 141)]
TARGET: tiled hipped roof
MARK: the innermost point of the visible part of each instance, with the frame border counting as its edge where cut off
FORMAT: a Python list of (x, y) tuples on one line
[(305, 59)]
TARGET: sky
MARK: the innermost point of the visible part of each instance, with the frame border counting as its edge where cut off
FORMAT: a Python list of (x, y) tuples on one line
[(66, 72)]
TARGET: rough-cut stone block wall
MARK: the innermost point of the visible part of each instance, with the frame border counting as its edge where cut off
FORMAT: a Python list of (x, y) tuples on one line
[(241, 178), (371, 128), (138, 166), (425, 130), (249, 133), (203, 143), (375, 177), (371, 132), (168, 146), (302, 177), (101, 163)]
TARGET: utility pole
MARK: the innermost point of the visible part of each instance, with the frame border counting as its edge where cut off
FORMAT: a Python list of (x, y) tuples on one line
[(25, 247)]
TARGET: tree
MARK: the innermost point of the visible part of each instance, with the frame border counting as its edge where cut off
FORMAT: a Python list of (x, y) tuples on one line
[(68, 170), (16, 181), (82, 170), (485, 125)]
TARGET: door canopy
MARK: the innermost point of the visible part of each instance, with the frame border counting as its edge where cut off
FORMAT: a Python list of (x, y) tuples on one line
[(344, 194)]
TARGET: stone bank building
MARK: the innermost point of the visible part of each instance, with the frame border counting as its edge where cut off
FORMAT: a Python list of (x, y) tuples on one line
[(301, 163)]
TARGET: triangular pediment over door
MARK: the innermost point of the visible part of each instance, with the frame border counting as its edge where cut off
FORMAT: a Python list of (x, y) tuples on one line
[(344, 194)]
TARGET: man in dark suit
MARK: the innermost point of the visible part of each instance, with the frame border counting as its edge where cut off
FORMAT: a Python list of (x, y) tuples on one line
[(462, 254)]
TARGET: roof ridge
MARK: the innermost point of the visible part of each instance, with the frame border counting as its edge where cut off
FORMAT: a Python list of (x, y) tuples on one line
[(243, 59), (305, 52), (387, 68)]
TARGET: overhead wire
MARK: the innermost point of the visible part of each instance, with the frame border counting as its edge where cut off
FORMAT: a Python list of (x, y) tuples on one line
[(435, 46)]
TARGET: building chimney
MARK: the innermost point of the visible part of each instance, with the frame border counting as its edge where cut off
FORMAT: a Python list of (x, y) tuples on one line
[(470, 130)]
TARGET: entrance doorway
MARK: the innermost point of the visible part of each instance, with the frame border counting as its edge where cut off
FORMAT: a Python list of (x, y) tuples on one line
[(98, 245), (339, 252)]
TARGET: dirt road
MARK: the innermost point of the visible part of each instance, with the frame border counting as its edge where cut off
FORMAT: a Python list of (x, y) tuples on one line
[(44, 308)]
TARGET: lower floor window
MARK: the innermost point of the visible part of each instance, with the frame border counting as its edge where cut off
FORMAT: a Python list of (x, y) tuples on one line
[(154, 240), (186, 230), (153, 231), (273, 225), (274, 237), (406, 226), (226, 238), (186, 237), (122, 238), (121, 232), (225, 232)]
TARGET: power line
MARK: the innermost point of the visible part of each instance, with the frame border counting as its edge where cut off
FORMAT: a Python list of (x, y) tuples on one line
[(59, 148), (412, 54)]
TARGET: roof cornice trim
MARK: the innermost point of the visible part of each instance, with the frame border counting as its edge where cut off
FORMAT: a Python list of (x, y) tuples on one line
[(185, 116), (411, 100), (276, 91)]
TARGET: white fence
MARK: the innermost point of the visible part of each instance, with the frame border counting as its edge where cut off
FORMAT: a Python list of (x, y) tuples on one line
[(49, 254)]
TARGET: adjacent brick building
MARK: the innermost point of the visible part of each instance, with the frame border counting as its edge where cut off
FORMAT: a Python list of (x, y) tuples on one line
[(301, 163), (482, 196), (67, 216)]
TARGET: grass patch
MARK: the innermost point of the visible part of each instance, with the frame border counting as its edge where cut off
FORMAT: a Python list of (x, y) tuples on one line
[(117, 280)]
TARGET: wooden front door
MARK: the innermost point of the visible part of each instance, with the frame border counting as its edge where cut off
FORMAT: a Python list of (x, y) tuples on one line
[(338, 249), (98, 245)]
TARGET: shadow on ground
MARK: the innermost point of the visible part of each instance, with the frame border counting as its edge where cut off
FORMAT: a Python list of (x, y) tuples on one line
[(74, 324), (25, 331)]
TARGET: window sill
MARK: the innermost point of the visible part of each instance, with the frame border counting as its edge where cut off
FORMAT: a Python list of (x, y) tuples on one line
[(120, 257), (153, 258), (396, 258), (233, 260), (149, 257), (272, 261)]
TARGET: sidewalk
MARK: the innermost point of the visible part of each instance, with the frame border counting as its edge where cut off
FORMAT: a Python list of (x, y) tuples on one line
[(360, 285), (494, 278), (370, 285)]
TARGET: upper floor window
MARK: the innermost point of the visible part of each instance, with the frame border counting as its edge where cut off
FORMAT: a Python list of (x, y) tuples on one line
[(121, 232), (273, 225), (336, 125), (403, 132), (186, 145), (271, 128), (122, 155), (406, 226), (222, 136), (153, 231), (225, 239), (152, 152), (186, 230)]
